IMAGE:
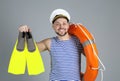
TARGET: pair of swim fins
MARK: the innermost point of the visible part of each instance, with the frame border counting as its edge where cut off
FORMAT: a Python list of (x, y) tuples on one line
[(25, 53)]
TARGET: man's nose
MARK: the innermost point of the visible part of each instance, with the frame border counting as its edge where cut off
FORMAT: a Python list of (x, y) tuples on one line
[(61, 26)]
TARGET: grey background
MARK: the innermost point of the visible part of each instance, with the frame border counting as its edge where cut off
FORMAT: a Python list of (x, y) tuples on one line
[(101, 17)]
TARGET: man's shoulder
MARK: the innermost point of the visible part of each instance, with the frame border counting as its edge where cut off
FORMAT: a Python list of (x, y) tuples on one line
[(47, 40)]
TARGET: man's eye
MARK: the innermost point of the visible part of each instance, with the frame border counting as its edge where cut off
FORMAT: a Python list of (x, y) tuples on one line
[(56, 24), (64, 23)]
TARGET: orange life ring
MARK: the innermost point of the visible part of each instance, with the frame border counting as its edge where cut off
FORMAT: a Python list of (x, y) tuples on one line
[(90, 50)]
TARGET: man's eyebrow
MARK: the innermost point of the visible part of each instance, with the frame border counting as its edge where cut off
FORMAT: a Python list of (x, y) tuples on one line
[(56, 22)]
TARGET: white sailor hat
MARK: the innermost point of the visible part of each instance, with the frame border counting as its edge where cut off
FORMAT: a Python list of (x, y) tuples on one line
[(57, 13)]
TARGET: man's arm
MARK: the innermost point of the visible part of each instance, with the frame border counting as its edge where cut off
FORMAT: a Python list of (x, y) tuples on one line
[(44, 45)]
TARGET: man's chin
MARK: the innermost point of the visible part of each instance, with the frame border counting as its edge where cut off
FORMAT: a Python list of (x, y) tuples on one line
[(61, 34)]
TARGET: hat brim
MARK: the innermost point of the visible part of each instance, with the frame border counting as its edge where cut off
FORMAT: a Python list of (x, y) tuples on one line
[(59, 16)]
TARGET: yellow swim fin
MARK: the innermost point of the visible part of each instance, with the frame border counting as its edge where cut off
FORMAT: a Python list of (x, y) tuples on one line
[(34, 61), (17, 62)]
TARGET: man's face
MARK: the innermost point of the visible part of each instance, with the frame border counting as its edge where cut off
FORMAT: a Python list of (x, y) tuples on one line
[(61, 26)]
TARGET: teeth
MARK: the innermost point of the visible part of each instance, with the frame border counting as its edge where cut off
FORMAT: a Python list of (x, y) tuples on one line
[(61, 29)]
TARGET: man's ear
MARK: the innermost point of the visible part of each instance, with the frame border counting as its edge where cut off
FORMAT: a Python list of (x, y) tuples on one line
[(53, 26), (70, 23)]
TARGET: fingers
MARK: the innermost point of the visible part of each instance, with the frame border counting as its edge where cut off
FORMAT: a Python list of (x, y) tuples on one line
[(24, 28)]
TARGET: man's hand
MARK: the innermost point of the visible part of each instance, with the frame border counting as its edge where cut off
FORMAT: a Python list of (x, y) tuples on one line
[(24, 28)]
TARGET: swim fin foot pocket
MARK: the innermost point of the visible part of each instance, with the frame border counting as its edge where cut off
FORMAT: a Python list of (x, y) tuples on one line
[(30, 42), (21, 41)]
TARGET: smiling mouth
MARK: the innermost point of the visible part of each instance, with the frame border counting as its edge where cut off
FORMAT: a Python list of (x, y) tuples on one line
[(61, 29)]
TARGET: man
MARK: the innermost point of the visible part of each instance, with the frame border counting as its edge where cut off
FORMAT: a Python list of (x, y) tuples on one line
[(65, 49)]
